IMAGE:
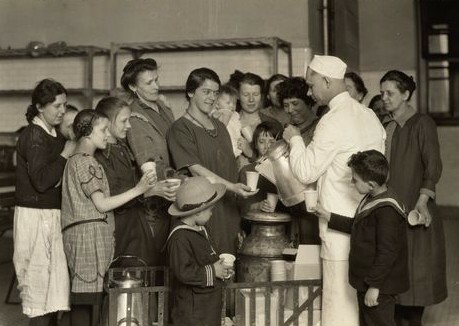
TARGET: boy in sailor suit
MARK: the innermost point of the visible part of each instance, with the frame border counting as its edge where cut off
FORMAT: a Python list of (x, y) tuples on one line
[(378, 261), (197, 271)]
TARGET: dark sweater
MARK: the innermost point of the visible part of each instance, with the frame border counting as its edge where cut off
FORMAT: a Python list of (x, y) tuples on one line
[(379, 251), (39, 168)]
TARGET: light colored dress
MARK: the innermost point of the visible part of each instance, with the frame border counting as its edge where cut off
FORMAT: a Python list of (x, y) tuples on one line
[(89, 241)]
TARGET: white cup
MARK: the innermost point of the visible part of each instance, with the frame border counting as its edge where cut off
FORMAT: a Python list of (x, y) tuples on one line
[(148, 166), (252, 179), (311, 197), (228, 259), (272, 199), (415, 218), (247, 132)]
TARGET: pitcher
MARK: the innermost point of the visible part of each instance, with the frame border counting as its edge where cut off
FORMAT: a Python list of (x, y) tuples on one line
[(291, 191)]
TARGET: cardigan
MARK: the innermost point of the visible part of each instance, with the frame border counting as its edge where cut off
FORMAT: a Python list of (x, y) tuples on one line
[(39, 168)]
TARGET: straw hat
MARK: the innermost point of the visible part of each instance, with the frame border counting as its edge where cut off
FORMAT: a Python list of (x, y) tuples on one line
[(195, 195)]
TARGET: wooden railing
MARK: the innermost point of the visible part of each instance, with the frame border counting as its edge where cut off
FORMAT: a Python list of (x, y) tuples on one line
[(149, 303), (265, 291)]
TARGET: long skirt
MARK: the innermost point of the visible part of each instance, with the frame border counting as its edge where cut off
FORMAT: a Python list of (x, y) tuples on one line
[(426, 263)]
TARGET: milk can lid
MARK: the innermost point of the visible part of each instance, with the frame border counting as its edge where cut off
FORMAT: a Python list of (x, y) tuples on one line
[(260, 216), (127, 281)]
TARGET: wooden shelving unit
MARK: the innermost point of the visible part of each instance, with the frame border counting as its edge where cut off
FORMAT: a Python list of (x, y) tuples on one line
[(274, 44)]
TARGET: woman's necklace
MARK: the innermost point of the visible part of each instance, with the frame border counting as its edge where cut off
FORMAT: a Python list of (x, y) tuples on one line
[(211, 132)]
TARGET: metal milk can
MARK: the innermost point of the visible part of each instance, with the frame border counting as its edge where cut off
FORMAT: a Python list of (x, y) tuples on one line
[(266, 242), (291, 191), (127, 281)]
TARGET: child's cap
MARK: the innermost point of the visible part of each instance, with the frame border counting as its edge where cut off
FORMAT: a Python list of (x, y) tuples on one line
[(195, 195)]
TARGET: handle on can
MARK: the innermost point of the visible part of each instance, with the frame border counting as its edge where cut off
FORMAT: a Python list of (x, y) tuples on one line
[(145, 283)]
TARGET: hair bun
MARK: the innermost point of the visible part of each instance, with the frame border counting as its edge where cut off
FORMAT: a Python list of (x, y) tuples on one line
[(83, 128)]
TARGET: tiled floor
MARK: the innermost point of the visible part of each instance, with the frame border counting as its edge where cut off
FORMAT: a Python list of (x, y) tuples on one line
[(444, 314)]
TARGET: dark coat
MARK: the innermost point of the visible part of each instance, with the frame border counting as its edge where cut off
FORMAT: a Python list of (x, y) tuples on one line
[(197, 293), (379, 254)]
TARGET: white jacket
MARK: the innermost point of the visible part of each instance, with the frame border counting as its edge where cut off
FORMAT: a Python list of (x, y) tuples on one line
[(347, 128)]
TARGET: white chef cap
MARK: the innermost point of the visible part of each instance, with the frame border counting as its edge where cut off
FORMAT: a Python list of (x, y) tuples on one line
[(329, 66)]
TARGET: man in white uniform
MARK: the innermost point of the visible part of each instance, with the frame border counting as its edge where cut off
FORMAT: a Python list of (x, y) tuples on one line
[(347, 128)]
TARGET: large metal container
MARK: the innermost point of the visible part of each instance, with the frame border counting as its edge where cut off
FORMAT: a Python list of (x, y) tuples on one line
[(291, 191), (265, 243), (129, 311), (124, 307)]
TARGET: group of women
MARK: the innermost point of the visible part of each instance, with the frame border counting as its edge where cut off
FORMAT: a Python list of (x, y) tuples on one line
[(80, 204)]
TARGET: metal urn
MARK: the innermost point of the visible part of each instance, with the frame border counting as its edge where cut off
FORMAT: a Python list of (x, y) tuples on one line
[(265, 243)]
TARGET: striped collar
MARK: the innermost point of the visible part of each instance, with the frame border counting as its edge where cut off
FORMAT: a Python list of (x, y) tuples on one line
[(387, 198), (199, 229)]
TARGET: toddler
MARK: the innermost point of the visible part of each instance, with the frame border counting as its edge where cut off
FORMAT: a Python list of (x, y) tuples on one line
[(225, 111)]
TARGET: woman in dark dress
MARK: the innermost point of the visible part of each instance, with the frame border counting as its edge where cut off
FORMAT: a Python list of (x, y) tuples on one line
[(132, 232), (150, 119), (201, 144), (413, 151)]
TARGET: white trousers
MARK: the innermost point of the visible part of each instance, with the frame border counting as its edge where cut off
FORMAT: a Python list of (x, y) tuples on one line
[(339, 299)]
